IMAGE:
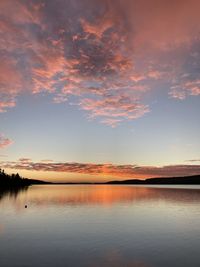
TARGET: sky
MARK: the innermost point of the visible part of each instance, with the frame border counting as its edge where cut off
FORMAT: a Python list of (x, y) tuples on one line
[(98, 90)]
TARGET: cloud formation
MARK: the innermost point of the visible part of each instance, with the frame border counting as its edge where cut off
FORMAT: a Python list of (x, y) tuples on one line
[(4, 141), (123, 171), (193, 160), (104, 55)]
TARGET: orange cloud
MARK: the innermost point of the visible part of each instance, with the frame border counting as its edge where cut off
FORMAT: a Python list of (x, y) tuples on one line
[(110, 170), (24, 160)]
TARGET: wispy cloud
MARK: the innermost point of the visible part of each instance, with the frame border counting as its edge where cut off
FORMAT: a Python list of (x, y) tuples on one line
[(4, 141), (193, 160), (114, 108), (123, 171), (187, 88), (24, 160)]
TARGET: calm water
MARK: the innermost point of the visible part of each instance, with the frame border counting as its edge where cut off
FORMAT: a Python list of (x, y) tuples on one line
[(100, 226)]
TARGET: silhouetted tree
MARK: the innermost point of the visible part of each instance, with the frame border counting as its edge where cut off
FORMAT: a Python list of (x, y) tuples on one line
[(11, 180), (15, 180)]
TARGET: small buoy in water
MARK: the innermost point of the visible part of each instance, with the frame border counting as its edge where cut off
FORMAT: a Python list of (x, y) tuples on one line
[(25, 206)]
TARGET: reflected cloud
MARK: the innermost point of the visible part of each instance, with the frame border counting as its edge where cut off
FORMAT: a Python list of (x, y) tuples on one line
[(105, 195)]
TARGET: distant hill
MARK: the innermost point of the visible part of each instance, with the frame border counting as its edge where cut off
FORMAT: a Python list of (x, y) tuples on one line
[(195, 179), (16, 181)]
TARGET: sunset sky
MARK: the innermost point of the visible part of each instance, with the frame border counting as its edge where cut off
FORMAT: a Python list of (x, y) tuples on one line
[(95, 90)]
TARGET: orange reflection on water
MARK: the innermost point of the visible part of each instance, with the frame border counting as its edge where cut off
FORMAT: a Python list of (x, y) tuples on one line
[(92, 194), (44, 195), (115, 258)]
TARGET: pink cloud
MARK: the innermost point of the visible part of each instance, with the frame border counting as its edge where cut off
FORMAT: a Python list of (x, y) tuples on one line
[(4, 104), (136, 77), (160, 24), (187, 88), (4, 141), (114, 107), (108, 59), (99, 28), (111, 122)]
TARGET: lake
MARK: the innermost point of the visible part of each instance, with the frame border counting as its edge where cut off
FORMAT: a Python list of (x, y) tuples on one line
[(100, 225)]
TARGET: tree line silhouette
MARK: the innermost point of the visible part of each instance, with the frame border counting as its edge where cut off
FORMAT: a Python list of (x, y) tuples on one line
[(12, 180), (11, 184), (15, 180)]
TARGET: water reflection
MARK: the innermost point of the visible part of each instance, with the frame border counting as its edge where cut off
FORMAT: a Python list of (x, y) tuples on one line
[(11, 192), (100, 225), (99, 194), (116, 259), (1, 229)]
